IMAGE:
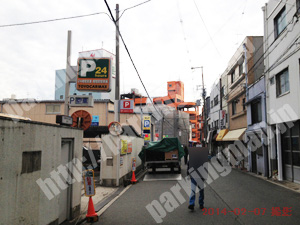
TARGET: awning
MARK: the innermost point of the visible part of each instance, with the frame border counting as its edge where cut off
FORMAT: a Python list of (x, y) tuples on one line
[(257, 98), (234, 135), (221, 134)]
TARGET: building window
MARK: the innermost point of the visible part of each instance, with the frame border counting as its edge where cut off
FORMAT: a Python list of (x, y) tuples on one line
[(193, 126), (256, 113), (61, 97), (193, 135), (282, 82), (298, 6), (192, 117), (170, 101), (211, 104), (31, 161), (244, 104), (280, 22), (241, 69), (232, 77), (233, 107), (52, 109), (216, 100)]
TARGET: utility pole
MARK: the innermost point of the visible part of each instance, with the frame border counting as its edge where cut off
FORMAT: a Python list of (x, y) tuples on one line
[(204, 104), (68, 67), (117, 91)]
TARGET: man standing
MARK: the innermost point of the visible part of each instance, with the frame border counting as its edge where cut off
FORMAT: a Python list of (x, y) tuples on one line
[(194, 186)]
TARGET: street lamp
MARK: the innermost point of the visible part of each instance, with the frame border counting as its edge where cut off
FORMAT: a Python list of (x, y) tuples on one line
[(203, 97)]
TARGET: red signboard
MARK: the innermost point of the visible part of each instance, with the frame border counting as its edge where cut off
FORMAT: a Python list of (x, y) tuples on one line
[(126, 106)]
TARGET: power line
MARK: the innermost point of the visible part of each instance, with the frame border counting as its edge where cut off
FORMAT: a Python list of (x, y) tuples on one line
[(184, 35), (136, 67), (207, 29), (264, 55), (53, 20), (221, 27), (137, 72), (133, 7)]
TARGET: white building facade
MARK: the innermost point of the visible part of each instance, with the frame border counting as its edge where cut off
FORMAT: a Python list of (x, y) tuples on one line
[(281, 58), (214, 116)]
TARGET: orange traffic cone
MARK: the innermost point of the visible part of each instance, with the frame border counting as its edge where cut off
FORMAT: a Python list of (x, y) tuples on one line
[(133, 180), (91, 215)]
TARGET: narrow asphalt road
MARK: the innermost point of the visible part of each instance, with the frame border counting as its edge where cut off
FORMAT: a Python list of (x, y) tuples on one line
[(237, 198)]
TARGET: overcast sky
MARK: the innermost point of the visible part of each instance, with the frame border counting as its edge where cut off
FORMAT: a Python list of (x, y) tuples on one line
[(165, 39)]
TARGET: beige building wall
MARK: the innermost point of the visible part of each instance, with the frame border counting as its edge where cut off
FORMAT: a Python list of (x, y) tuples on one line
[(237, 82), (37, 111)]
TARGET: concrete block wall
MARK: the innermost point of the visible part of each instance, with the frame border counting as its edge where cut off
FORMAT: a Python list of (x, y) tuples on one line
[(22, 199), (109, 157)]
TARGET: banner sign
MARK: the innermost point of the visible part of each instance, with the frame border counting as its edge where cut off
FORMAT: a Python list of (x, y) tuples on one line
[(89, 183), (123, 147), (94, 74)]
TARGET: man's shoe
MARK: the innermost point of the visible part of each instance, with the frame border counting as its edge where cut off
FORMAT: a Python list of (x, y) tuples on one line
[(191, 207), (201, 206)]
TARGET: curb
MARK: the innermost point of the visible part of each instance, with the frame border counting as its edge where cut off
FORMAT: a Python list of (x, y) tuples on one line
[(268, 180)]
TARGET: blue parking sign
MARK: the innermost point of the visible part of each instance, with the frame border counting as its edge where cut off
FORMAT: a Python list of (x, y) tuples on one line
[(147, 123)]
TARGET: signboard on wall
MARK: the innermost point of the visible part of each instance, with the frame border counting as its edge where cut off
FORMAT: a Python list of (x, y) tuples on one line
[(129, 147), (81, 100), (94, 74), (123, 147), (121, 160), (95, 121), (126, 106), (147, 137), (147, 123)]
